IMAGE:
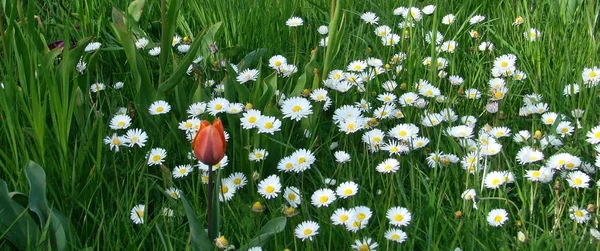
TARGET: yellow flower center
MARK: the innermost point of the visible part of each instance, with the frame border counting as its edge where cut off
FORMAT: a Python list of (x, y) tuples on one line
[(292, 196), (218, 106), (348, 191), (387, 167), (140, 213), (160, 109), (116, 142), (395, 236), (498, 218), (495, 182), (361, 216), (268, 125), (182, 171), (350, 127), (498, 95), (337, 76), (252, 119), (398, 217), (578, 213), (307, 231), (156, 158), (301, 160), (597, 135), (324, 199), (535, 174), (402, 133), (376, 139), (224, 189), (429, 92), (237, 181), (277, 63), (121, 124), (577, 181), (364, 247), (593, 74), (296, 108), (504, 64), (270, 189), (343, 218), (288, 165)]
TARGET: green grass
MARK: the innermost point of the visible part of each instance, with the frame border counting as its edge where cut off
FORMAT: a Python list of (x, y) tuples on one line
[(49, 115)]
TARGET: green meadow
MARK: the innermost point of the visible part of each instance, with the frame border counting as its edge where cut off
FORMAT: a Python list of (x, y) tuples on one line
[(348, 125)]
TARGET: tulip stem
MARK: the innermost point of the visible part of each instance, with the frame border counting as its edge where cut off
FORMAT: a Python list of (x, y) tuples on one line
[(210, 202)]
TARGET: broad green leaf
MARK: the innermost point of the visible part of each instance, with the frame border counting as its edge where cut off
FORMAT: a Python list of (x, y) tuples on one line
[(269, 86), (251, 59), (304, 78), (16, 224), (136, 8), (200, 239), (266, 233), (39, 204), (168, 31), (202, 41), (242, 91)]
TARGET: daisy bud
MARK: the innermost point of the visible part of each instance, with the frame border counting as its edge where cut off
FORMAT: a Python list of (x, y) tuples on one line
[(458, 214), (591, 208), (306, 92), (248, 106), (258, 207), (537, 134), (369, 50), (403, 86), (519, 223), (461, 91), (388, 66), (186, 39), (374, 93), (222, 242), (209, 143), (289, 211), (556, 186), (255, 175)]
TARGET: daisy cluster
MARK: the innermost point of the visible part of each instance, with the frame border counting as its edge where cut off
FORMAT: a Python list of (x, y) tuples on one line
[(424, 119)]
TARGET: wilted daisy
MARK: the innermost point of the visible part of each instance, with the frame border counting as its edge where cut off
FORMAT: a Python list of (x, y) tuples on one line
[(323, 197), (247, 75), (341, 157), (369, 18), (366, 244), (154, 51), (595, 233), (159, 107), (579, 215), (137, 214), (120, 122), (173, 192), (258, 155), (182, 171), (497, 217), (448, 19), (532, 35), (96, 87), (296, 108), (93, 46), (306, 230), (141, 43), (270, 187), (80, 67), (476, 19), (346, 189), (294, 22), (156, 156), (399, 216), (396, 235)]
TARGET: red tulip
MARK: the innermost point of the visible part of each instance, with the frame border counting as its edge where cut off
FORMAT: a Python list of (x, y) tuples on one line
[(209, 143)]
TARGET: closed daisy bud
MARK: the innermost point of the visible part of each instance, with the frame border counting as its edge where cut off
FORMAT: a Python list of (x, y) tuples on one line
[(403, 86), (248, 107), (458, 214), (538, 134), (591, 208), (306, 92), (222, 242), (258, 207)]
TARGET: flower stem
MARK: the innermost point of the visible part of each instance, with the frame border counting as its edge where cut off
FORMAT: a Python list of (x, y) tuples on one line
[(210, 202)]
